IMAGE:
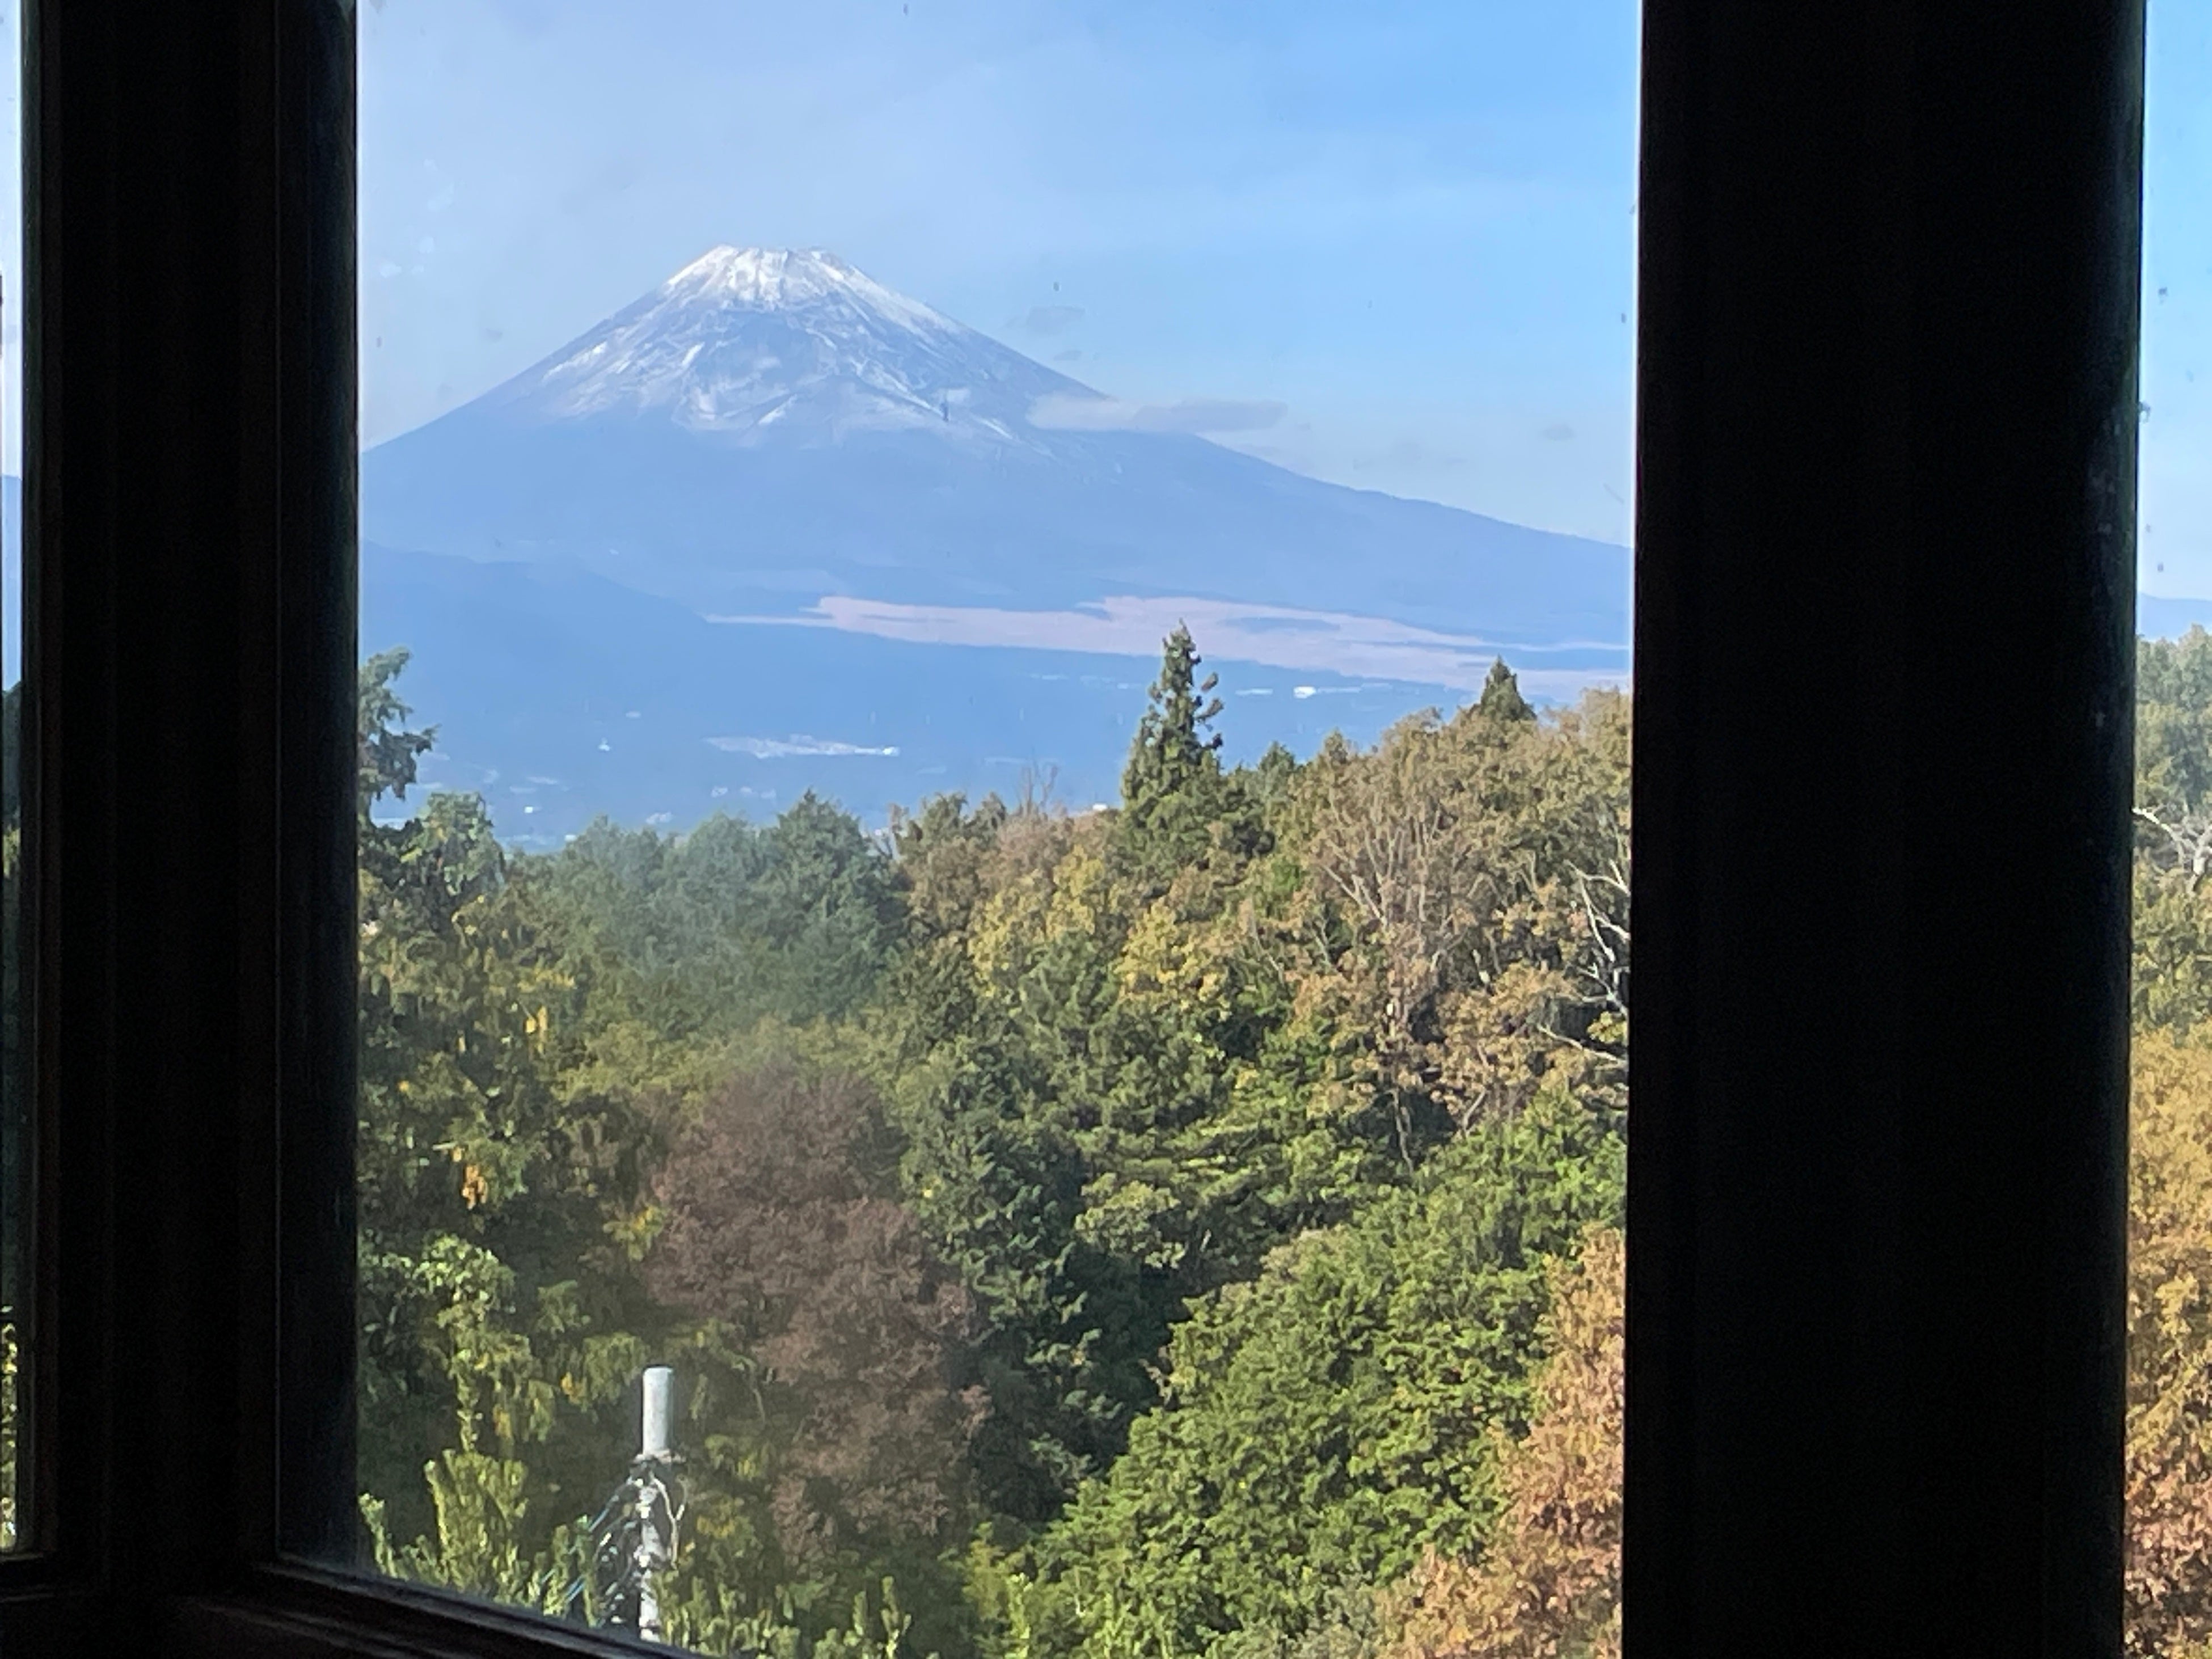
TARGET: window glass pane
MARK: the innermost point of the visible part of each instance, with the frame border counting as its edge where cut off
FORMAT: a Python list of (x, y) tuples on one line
[(994, 860), (15, 1098), (2169, 1482)]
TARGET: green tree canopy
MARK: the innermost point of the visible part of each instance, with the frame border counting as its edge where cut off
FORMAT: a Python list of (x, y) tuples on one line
[(1170, 787), (1323, 1425), (1501, 698)]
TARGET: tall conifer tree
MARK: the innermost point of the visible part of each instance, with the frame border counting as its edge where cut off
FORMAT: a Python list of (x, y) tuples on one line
[(1501, 694), (1171, 785)]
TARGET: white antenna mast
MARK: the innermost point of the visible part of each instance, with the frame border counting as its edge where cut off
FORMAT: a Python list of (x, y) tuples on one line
[(656, 1513), (634, 1539), (660, 1386)]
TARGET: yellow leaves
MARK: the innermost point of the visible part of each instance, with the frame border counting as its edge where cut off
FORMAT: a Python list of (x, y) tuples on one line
[(1070, 901), (1168, 959), (1133, 1220), (635, 1229), (1081, 894), (2169, 1425), (475, 1179)]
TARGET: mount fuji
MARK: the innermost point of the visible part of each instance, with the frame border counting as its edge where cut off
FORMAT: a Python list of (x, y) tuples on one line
[(775, 526)]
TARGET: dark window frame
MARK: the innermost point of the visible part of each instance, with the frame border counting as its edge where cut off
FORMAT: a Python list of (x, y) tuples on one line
[(1866, 432), (1887, 432)]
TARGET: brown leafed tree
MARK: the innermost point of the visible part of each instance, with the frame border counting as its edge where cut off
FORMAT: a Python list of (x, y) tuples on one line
[(1399, 840), (1549, 1584), (779, 1225), (1480, 868)]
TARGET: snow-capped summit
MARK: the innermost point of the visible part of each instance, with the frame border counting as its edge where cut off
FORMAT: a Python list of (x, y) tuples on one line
[(770, 279), (791, 345)]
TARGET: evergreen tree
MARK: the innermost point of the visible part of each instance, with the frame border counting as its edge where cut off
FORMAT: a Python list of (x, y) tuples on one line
[(1547, 1584), (1187, 1198), (388, 749), (498, 1317), (1323, 1425), (1171, 786), (1501, 697)]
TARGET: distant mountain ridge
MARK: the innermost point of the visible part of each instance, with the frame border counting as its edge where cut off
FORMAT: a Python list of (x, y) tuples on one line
[(774, 440)]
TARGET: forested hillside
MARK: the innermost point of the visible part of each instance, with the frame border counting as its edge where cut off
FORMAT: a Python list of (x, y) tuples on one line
[(1185, 1230), (1190, 1229), (1131, 1230)]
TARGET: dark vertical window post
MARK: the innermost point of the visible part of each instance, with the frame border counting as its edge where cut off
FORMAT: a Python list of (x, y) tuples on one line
[(189, 481), (1883, 660)]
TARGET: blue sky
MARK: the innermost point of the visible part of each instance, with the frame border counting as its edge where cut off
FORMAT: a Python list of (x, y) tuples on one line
[(2176, 540), (1410, 223)]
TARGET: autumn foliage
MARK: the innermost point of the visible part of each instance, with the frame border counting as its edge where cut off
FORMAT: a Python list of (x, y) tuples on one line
[(1546, 1587), (781, 1228), (1549, 1584), (2169, 1467)]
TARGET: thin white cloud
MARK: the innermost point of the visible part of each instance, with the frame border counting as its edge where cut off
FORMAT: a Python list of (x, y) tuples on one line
[(1062, 411), (797, 743)]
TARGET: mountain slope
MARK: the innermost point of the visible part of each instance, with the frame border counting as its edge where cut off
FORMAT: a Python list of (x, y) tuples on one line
[(767, 427), (838, 476)]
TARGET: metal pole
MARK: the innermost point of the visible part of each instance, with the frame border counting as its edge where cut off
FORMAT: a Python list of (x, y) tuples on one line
[(652, 1540), (659, 1383)]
